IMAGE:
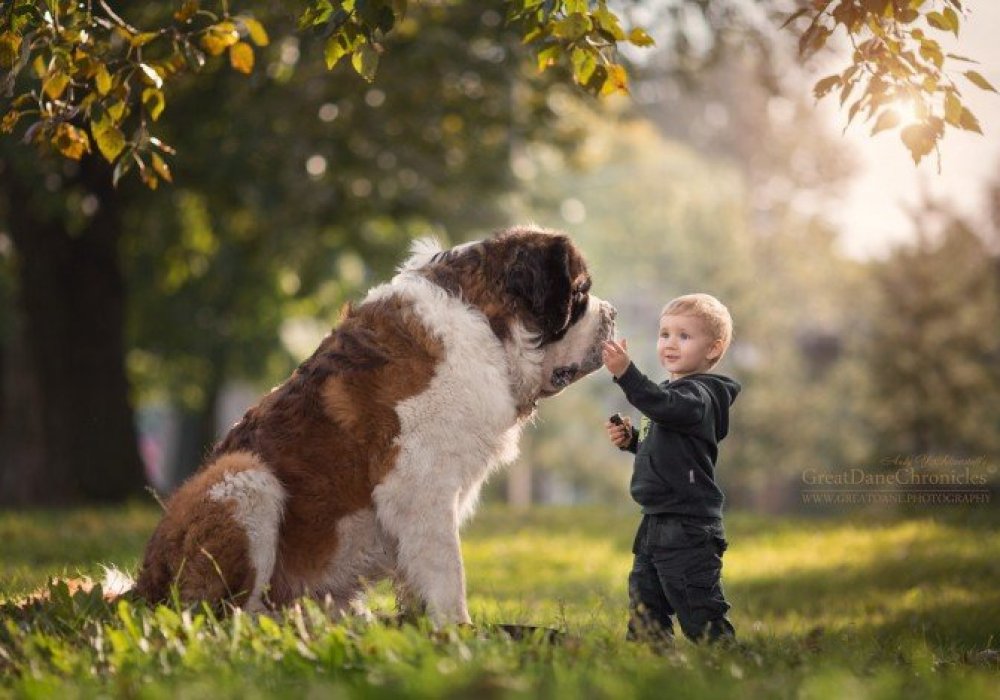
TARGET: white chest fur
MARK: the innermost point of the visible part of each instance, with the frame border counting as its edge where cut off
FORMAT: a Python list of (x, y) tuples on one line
[(451, 435)]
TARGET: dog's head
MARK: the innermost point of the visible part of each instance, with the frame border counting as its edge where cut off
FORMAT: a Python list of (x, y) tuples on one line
[(533, 286)]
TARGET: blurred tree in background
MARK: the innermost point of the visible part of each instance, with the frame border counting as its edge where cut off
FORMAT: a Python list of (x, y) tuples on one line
[(935, 351), (294, 176), (297, 188)]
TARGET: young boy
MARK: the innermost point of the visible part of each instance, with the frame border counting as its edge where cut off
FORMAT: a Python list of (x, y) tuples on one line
[(678, 548)]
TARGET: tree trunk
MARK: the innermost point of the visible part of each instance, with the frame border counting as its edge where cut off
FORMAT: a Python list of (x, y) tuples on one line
[(69, 357), (197, 433)]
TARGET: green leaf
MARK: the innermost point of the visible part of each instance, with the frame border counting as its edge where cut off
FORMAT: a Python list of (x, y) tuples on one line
[(978, 80), (109, 138), (121, 168), (608, 21), (365, 61), (584, 63), (573, 27), (549, 56), (334, 51), (886, 120)]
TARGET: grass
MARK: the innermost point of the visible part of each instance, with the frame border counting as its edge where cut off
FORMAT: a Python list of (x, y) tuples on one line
[(860, 605)]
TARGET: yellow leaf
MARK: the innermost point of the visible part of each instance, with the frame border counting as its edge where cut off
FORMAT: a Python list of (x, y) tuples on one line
[(219, 37), (979, 81), (258, 34), (9, 121), (333, 51), (154, 102), (102, 80), (886, 120), (39, 66), (9, 47), (920, 139), (365, 61), (241, 57), (110, 139), (967, 120), (55, 84), (148, 178), (617, 81), (639, 37), (187, 11), (952, 109), (116, 110), (143, 38), (70, 141), (161, 168)]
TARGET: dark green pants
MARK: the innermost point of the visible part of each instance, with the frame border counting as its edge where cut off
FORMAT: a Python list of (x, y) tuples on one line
[(677, 571)]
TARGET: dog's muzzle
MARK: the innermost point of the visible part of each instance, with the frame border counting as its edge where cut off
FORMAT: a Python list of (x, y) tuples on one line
[(564, 375)]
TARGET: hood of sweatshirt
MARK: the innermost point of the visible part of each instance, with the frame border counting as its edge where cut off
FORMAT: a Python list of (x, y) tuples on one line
[(725, 391)]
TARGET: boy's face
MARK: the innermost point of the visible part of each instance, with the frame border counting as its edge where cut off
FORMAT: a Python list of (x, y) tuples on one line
[(685, 346)]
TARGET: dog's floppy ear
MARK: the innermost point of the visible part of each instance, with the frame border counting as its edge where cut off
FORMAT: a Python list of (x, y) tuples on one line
[(540, 280)]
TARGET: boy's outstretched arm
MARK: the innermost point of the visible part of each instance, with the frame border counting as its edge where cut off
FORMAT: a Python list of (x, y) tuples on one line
[(681, 405)]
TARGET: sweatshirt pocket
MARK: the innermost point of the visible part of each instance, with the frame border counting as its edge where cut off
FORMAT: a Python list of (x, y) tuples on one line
[(646, 486)]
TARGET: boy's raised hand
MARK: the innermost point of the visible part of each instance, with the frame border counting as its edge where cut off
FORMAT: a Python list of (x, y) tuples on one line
[(620, 435), (615, 356)]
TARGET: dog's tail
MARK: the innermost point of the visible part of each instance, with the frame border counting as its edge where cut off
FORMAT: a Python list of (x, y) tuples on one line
[(422, 251), (116, 583)]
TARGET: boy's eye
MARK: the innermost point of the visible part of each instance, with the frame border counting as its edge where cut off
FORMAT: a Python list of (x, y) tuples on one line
[(685, 336)]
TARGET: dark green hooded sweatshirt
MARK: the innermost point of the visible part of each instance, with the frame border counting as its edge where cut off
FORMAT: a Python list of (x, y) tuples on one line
[(677, 444)]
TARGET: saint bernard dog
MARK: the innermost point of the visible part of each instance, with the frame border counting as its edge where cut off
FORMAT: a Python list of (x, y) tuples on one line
[(366, 461)]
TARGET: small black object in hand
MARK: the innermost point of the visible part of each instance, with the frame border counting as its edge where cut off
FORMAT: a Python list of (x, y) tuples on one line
[(617, 419)]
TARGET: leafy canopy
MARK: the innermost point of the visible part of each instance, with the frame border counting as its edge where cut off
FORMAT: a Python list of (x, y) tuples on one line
[(84, 77)]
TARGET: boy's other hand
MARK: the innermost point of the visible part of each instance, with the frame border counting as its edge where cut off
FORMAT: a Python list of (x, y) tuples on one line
[(620, 435), (615, 356)]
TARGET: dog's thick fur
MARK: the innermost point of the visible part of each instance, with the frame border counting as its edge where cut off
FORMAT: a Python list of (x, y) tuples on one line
[(366, 461)]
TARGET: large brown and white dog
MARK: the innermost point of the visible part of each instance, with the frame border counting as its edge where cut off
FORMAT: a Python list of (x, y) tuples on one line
[(366, 461)]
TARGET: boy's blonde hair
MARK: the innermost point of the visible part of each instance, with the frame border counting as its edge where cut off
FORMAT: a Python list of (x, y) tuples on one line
[(710, 310)]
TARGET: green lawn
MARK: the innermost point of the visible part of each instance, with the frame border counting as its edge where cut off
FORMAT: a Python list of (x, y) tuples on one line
[(862, 605)]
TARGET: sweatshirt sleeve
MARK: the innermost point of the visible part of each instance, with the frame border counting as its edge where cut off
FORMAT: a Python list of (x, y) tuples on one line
[(633, 443), (680, 405)]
